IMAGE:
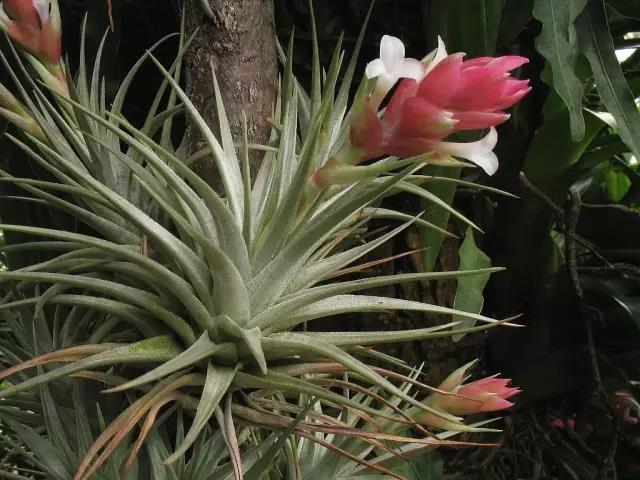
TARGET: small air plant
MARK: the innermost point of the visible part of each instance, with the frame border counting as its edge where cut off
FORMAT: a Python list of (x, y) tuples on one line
[(180, 298)]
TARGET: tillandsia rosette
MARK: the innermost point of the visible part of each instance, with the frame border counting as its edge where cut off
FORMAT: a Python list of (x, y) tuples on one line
[(187, 302)]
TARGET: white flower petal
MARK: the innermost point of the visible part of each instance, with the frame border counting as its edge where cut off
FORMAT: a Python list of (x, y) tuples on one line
[(375, 68), (487, 161), (391, 51), (436, 56), (3, 15), (42, 6), (441, 51), (410, 68), (480, 152)]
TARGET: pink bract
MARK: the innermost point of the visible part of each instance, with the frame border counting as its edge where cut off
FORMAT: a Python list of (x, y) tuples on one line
[(454, 96)]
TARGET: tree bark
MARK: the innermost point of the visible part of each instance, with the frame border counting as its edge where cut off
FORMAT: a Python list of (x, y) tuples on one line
[(238, 36)]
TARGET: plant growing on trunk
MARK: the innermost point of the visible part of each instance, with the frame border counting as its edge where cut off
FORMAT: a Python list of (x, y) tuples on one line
[(180, 298)]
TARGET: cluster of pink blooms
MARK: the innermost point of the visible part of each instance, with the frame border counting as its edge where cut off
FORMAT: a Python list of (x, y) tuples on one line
[(484, 395), (33, 26), (439, 96)]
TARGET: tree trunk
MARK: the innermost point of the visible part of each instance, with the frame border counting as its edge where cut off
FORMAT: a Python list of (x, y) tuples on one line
[(238, 36)]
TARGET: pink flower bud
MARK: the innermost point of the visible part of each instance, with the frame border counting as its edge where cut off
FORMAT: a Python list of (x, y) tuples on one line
[(34, 25), (485, 395)]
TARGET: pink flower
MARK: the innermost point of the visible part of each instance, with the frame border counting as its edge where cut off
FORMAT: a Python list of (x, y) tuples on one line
[(485, 395), (34, 25), (453, 96), (471, 94)]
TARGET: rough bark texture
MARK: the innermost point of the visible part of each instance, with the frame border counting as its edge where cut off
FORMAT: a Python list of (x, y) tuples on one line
[(240, 41)]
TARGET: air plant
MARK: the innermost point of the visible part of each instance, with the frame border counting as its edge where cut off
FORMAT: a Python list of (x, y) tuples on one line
[(181, 298)]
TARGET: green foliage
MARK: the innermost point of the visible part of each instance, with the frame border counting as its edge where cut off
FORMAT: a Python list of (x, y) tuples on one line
[(557, 42), (469, 293), (470, 27), (467, 26), (426, 467), (135, 247), (186, 301), (597, 45)]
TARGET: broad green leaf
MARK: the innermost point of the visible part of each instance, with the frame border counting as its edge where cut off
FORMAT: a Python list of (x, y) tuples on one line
[(465, 26), (557, 44), (552, 151), (469, 293), (618, 185), (597, 45), (431, 240), (516, 16)]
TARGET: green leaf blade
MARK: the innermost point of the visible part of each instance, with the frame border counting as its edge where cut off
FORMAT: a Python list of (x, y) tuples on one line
[(556, 44), (469, 294), (597, 45)]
